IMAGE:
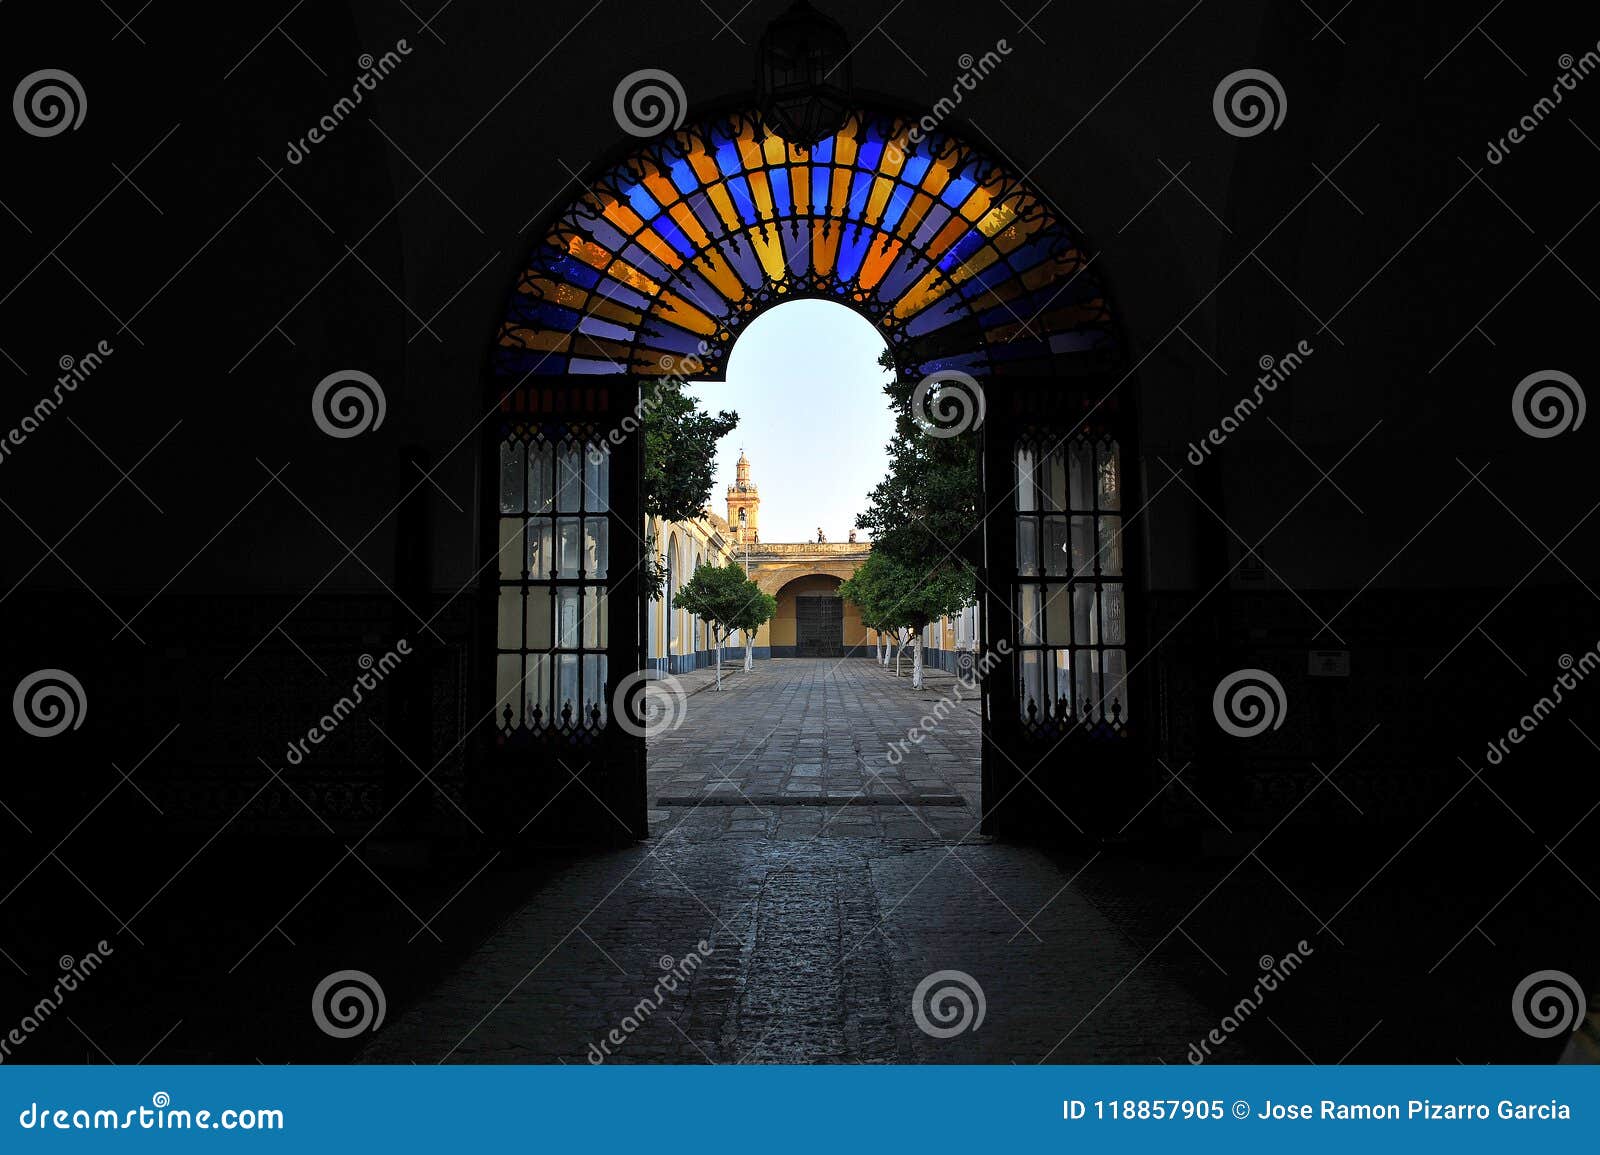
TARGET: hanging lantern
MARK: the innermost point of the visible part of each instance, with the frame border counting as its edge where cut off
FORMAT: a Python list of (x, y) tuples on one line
[(805, 75)]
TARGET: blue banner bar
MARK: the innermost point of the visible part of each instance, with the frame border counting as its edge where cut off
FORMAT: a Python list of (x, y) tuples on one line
[(798, 1109)]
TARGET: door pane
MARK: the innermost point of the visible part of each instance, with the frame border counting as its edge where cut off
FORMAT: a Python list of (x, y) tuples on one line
[(507, 676), (1061, 682), (541, 555), (1057, 614), (512, 467), (1113, 631), (1026, 485), (1031, 691), (1108, 474), (594, 684), (596, 531), (567, 684), (567, 610), (1085, 663), (569, 478), (1027, 547), (1110, 547), (1052, 477), (595, 630), (511, 558), (536, 688), (567, 556), (1057, 557), (1116, 680), (1083, 547), (510, 633), (597, 480), (1080, 471), (1030, 623), (538, 616), (1085, 628), (541, 472)]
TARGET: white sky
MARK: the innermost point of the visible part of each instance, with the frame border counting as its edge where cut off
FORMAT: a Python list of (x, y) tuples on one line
[(813, 419)]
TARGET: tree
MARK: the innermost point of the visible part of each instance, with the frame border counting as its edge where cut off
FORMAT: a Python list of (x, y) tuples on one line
[(923, 514), (760, 608), (726, 600), (859, 595), (680, 446), (927, 506), (903, 596)]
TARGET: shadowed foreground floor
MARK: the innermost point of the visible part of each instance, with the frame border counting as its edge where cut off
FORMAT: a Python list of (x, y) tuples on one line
[(821, 920)]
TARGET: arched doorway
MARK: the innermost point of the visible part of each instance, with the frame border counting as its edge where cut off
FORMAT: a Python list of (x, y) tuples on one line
[(971, 275), (675, 576), (813, 621)]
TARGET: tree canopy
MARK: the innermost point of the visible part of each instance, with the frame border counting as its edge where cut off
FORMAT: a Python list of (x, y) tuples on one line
[(927, 506), (728, 600), (892, 595), (923, 517), (680, 447)]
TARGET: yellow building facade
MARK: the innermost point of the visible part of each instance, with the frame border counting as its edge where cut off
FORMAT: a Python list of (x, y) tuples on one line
[(804, 577)]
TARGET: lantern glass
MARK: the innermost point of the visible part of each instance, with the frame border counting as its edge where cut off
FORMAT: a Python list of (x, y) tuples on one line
[(805, 74)]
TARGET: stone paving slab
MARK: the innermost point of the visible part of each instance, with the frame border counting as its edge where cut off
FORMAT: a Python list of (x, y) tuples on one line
[(800, 731)]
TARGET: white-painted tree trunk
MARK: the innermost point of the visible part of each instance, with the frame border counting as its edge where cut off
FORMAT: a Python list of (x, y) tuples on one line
[(717, 642), (916, 661), (749, 651), (899, 649)]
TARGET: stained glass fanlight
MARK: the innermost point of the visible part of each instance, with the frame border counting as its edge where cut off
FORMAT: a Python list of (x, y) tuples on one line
[(664, 259)]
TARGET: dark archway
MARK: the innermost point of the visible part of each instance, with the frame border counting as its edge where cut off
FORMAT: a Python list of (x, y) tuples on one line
[(968, 272)]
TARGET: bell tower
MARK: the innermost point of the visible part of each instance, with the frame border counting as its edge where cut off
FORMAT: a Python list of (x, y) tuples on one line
[(744, 499)]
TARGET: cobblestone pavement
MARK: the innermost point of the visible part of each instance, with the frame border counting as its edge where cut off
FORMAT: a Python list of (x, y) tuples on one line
[(801, 730), (818, 921)]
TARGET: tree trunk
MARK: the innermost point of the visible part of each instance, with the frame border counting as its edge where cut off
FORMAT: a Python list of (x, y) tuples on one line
[(916, 661), (899, 649), (718, 645), (749, 651)]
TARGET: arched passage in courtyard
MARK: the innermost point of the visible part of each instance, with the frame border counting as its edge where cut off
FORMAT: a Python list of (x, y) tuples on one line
[(968, 272)]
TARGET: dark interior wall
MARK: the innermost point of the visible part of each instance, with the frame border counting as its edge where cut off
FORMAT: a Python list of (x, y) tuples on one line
[(268, 307), (390, 248)]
